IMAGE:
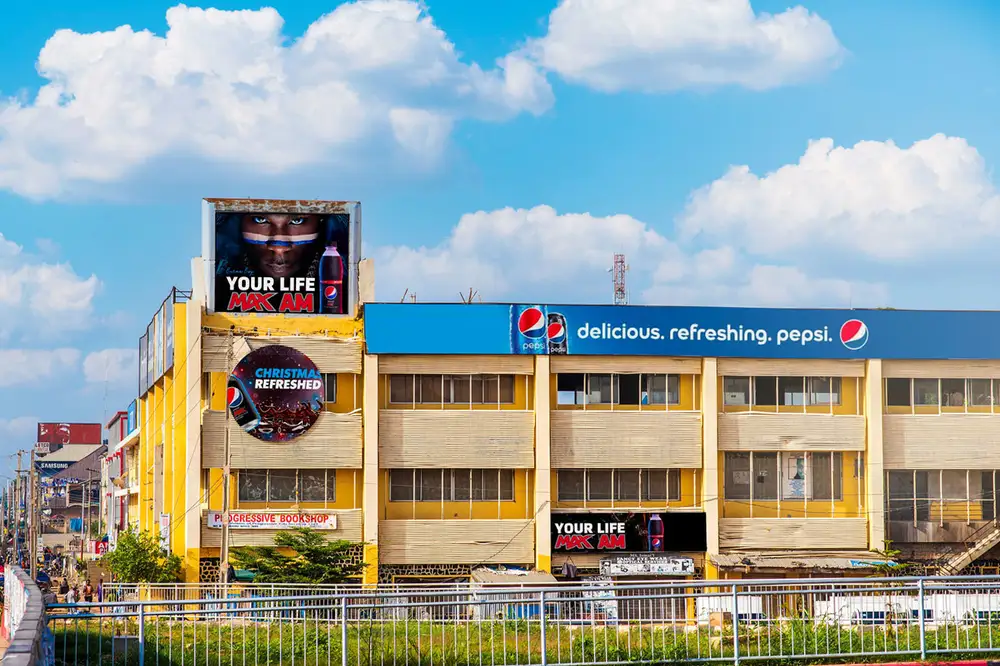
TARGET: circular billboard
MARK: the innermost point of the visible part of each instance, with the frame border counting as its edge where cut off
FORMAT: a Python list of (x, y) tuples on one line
[(275, 393)]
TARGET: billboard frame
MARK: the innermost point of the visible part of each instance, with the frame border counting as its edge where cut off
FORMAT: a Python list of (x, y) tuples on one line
[(211, 206)]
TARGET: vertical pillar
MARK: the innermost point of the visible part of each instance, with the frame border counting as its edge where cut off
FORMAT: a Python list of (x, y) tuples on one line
[(370, 471), (874, 464), (543, 466), (191, 400), (711, 497)]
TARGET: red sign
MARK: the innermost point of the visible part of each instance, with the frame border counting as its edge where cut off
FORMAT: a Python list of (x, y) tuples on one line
[(69, 433)]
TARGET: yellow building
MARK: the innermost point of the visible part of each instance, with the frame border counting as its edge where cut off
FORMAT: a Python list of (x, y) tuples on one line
[(579, 440)]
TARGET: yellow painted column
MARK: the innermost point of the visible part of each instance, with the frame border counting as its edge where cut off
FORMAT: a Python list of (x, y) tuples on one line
[(543, 466), (370, 495), (710, 495), (189, 370), (874, 465)]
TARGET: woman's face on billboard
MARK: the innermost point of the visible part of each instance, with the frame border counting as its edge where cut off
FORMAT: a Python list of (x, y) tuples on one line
[(280, 244)]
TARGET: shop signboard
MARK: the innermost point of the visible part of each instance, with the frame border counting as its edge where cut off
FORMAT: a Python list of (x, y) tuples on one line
[(271, 520)]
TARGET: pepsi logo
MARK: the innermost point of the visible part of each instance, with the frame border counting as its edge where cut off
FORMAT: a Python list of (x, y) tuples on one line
[(854, 334), (531, 323), (557, 332), (330, 292), (234, 396)]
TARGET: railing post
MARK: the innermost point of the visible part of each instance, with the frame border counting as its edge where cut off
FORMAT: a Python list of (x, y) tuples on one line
[(343, 630), (736, 625), (142, 634), (923, 621), (541, 607)]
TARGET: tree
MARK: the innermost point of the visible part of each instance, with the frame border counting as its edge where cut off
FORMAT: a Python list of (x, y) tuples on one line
[(313, 559), (138, 557), (891, 566)]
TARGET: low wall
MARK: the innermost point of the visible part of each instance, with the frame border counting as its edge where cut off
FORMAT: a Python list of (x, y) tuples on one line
[(24, 624)]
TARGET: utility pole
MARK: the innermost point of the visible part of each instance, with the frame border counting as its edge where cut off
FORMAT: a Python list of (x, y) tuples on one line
[(224, 547), (33, 525), (84, 502)]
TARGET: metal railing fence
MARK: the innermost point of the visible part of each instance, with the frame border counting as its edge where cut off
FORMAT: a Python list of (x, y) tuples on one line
[(566, 624)]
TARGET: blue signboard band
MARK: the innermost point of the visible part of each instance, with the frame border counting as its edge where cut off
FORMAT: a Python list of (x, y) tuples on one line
[(607, 330)]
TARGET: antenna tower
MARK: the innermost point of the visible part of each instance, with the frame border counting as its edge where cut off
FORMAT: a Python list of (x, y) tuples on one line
[(619, 273)]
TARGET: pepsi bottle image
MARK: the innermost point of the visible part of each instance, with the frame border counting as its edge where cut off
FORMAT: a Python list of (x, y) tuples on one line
[(557, 334), (654, 533), (240, 405), (331, 281)]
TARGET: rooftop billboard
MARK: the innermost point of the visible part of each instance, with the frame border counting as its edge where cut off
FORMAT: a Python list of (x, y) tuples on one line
[(69, 433), (607, 330), (284, 257)]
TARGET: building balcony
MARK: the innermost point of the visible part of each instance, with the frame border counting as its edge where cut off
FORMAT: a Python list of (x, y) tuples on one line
[(334, 441), (786, 533), (625, 439), (743, 431), (941, 441), (348, 527), (456, 542), (451, 438)]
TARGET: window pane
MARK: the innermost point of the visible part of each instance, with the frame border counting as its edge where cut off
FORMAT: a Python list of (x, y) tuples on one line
[(925, 392), (654, 484), (900, 495), (598, 389), (897, 392), (401, 388), (626, 389), (282, 485), (461, 480), (765, 473), (673, 389), (507, 485), (654, 389), (253, 485), (570, 485), (491, 390), (823, 390), (737, 476), (675, 485), (313, 482), (330, 386), (979, 392), (486, 484), (507, 389), (765, 391), (599, 484), (331, 485), (459, 388), (627, 485), (819, 470), (569, 389), (953, 485), (430, 484), (736, 391), (791, 391), (953, 393), (401, 485), (430, 389)]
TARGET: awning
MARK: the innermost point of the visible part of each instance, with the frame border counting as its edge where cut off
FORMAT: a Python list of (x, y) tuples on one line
[(511, 577), (821, 561)]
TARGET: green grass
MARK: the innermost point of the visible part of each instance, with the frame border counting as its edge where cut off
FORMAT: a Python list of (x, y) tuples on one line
[(410, 642)]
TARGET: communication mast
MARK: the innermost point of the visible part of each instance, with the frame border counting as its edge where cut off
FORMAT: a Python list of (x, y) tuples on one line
[(619, 272)]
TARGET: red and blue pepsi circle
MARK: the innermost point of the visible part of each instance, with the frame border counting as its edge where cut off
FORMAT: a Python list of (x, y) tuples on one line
[(234, 396), (557, 332), (854, 334), (330, 292), (532, 323)]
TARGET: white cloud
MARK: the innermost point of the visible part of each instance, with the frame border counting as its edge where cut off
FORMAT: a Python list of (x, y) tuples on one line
[(874, 198), (115, 366), (31, 366), (40, 298), (20, 427), (539, 255), (664, 45), (227, 87)]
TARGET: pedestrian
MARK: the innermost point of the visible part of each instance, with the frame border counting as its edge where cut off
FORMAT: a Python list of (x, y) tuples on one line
[(88, 593), (72, 596)]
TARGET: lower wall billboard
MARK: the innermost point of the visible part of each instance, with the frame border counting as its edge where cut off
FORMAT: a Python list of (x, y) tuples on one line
[(267, 520), (627, 532)]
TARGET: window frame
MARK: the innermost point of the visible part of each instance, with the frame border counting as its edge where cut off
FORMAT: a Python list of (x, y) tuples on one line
[(506, 481), (673, 486)]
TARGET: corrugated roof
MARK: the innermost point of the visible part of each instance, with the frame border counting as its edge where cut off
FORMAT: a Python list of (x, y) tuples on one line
[(88, 468), (790, 559), (70, 453)]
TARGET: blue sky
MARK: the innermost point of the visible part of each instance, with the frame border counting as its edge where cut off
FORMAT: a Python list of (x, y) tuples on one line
[(833, 154)]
